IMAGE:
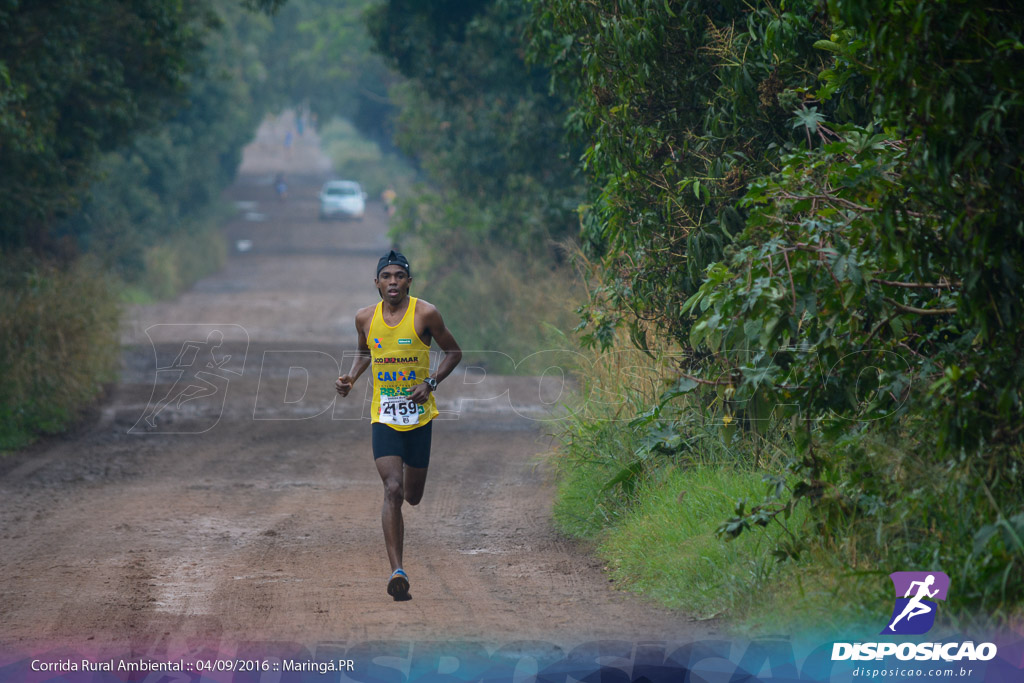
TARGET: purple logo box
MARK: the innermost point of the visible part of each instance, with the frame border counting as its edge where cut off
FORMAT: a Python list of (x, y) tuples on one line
[(915, 605)]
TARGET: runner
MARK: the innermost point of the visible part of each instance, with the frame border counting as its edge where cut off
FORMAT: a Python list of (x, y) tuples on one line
[(388, 196), (281, 187), (395, 335)]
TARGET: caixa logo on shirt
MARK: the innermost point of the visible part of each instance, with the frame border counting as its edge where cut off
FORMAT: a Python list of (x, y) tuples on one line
[(399, 376)]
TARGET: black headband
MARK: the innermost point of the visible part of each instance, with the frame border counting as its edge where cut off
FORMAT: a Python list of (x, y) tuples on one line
[(393, 258)]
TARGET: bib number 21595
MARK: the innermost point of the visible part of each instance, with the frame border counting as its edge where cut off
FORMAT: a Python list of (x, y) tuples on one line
[(398, 410)]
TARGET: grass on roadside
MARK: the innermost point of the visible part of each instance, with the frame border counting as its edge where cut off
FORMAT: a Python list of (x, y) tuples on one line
[(649, 483), (175, 264), (667, 547), (652, 513)]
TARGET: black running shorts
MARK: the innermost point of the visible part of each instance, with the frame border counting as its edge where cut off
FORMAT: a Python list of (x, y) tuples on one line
[(413, 445)]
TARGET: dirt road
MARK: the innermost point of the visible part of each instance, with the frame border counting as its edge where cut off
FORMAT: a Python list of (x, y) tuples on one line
[(224, 496)]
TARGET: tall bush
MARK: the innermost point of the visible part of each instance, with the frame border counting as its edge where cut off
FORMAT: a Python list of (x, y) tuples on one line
[(60, 344)]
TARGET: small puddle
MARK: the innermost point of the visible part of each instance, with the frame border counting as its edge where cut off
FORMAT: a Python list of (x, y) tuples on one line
[(481, 551)]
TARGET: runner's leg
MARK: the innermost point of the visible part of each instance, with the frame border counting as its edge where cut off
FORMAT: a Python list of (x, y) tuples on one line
[(417, 459), (390, 469), (415, 478)]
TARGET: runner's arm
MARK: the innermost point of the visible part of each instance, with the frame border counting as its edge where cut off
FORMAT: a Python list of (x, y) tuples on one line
[(362, 359), (435, 327), (452, 352)]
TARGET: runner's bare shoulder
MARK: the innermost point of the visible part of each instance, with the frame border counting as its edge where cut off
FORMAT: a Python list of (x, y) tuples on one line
[(424, 307), (428, 317), (363, 318)]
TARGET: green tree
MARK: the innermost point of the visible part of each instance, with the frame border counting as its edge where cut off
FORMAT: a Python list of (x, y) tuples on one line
[(77, 80), (679, 104), (319, 55), (900, 240), (165, 180), (479, 122), (120, 122)]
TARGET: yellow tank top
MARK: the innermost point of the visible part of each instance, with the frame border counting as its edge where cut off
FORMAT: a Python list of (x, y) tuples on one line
[(400, 361)]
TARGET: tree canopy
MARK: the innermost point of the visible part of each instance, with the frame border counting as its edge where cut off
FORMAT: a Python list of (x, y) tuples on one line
[(79, 80)]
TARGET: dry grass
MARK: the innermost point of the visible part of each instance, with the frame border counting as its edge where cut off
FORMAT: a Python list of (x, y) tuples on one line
[(58, 347)]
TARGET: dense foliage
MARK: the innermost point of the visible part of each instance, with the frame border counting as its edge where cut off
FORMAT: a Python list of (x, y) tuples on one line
[(120, 123), (479, 122), (894, 244), (75, 83), (680, 103), (165, 181), (818, 204), (119, 118)]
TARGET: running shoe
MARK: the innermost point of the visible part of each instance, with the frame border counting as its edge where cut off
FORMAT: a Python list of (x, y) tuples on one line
[(398, 585)]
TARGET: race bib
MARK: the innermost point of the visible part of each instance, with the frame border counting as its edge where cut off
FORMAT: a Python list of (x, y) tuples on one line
[(398, 410)]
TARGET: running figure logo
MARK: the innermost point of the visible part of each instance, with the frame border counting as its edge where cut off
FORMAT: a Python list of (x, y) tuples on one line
[(914, 611), (198, 377)]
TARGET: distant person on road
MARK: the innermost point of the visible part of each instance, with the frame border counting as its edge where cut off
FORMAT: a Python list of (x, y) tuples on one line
[(281, 187), (394, 336), (388, 196)]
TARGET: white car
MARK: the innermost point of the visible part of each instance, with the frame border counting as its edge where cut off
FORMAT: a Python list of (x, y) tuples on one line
[(343, 198)]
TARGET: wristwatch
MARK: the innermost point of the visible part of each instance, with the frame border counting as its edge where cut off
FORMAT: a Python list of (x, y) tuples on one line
[(431, 382)]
